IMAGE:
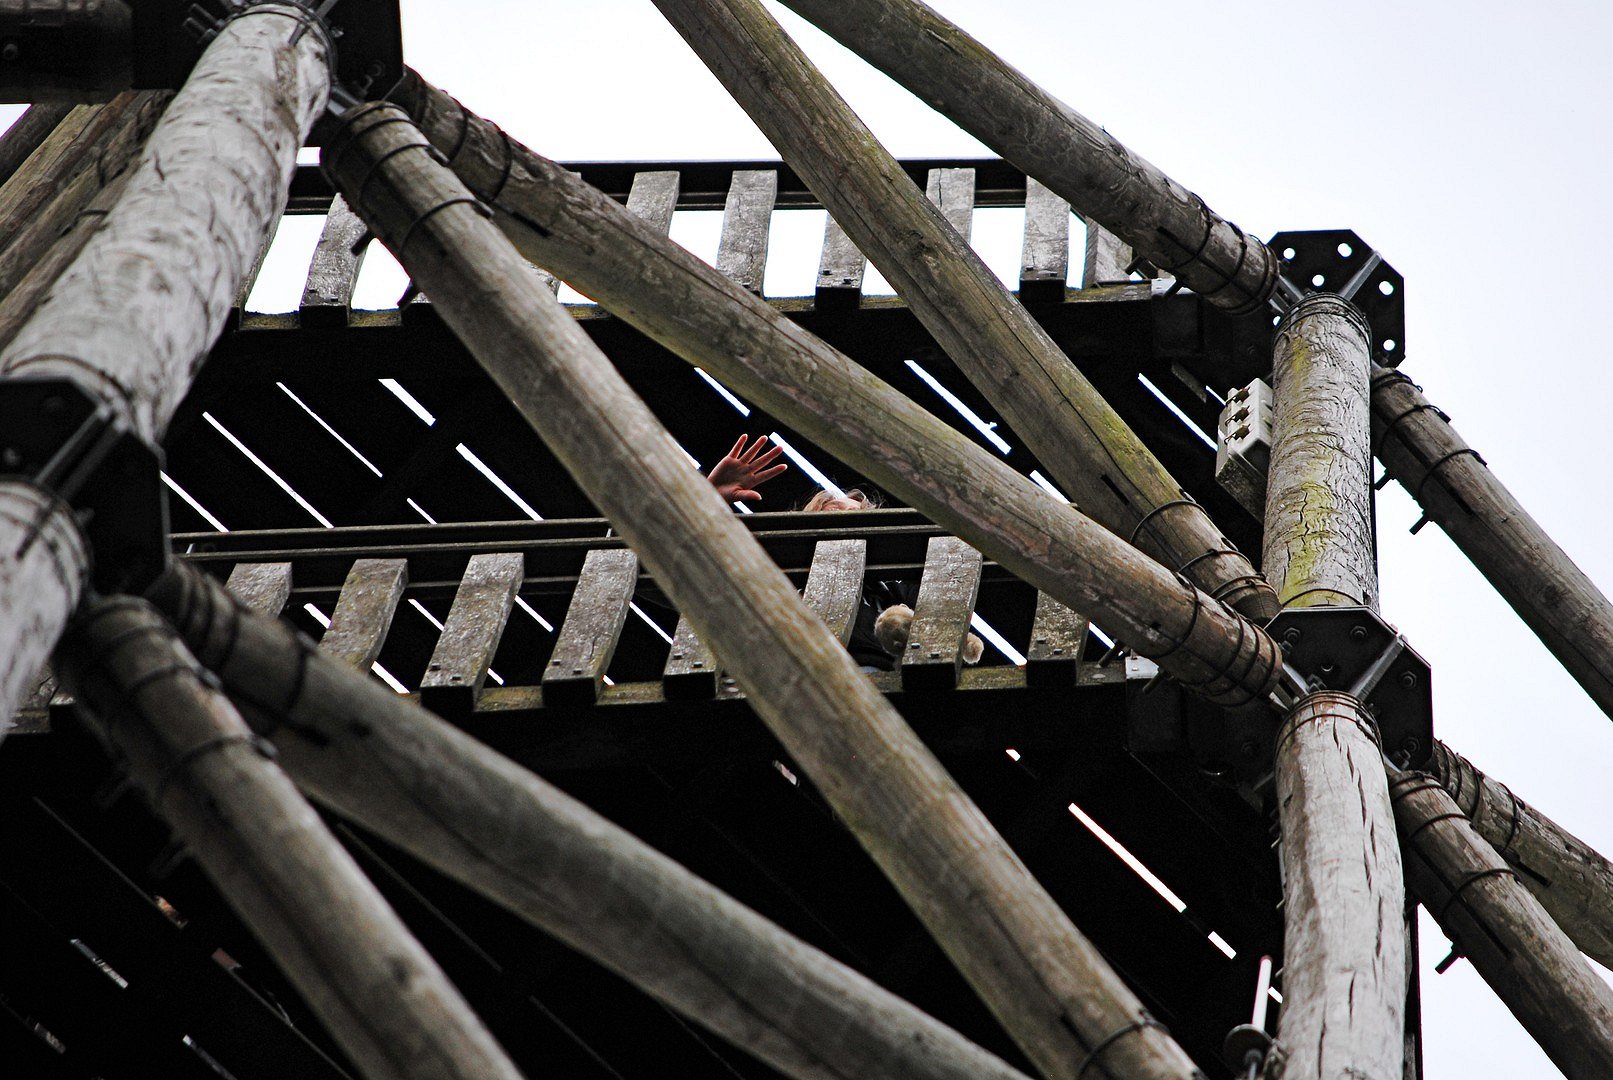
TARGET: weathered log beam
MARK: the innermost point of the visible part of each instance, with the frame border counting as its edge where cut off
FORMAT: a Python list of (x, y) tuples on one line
[(1513, 943), (1344, 970), (26, 133), (1076, 158), (575, 230), (1571, 880), (133, 315), (44, 570), (453, 803), (1088, 449), (380, 995), (1042, 979), (1553, 596)]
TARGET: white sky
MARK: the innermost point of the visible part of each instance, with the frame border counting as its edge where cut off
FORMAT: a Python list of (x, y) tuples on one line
[(1437, 131)]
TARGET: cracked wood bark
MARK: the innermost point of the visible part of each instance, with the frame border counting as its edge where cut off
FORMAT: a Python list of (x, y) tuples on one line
[(1345, 963), (1043, 980), (378, 993), (696, 313), (1552, 595), (1079, 438), (1509, 937), (478, 817), (132, 316), (974, 88), (1571, 880)]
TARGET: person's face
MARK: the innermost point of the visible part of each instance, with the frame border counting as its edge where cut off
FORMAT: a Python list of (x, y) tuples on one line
[(841, 502)]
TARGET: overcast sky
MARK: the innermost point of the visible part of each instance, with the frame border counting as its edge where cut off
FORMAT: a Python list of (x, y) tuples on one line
[(1465, 141)]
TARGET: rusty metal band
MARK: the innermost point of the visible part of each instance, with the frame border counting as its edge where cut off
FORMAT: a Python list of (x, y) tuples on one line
[(1417, 494), (186, 757), (1192, 622), (333, 165), (1456, 890), (1109, 1040), (1161, 508), (456, 200)]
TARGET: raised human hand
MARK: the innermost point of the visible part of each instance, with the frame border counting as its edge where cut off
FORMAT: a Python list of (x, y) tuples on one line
[(737, 476)]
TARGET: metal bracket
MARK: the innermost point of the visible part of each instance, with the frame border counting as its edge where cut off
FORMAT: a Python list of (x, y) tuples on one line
[(1353, 650), (1340, 262), (56, 435), (169, 36)]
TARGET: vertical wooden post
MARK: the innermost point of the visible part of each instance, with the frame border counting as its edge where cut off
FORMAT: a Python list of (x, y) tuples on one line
[(44, 569), (1554, 597), (380, 995), (1524, 956), (132, 317), (1043, 980), (1344, 971), (1049, 140), (1079, 438), (702, 316), (447, 799)]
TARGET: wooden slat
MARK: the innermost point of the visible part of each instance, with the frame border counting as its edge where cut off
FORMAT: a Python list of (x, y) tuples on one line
[(691, 669), (941, 617), (469, 638), (746, 219), (653, 197), (1044, 261), (364, 611), (238, 309), (582, 651), (327, 298), (263, 587), (840, 269), (1058, 635), (834, 585), (1107, 258), (953, 192)]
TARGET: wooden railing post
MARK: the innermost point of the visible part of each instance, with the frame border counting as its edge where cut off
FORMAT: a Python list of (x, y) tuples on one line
[(380, 995), (1344, 944), (1043, 980), (1079, 438), (134, 314)]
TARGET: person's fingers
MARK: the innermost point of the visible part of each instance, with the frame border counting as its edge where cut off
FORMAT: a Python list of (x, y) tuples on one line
[(739, 447), (747, 495), (769, 457), (768, 474)]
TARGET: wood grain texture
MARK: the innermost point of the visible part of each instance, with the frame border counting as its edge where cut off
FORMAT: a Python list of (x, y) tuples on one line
[(587, 639), (691, 667), (747, 217), (1058, 636), (26, 134), (698, 314), (1107, 259), (327, 296), (834, 584), (364, 611), (1044, 258), (134, 314), (42, 575), (653, 197), (447, 799), (1319, 541), (1456, 489), (1572, 881), (471, 633), (840, 270), (1041, 135), (378, 993), (1013, 943), (947, 590), (1502, 929), (1081, 441), (263, 587), (953, 193)]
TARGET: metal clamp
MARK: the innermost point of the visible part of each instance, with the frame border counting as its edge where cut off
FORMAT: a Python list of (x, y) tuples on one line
[(62, 439), (1338, 261)]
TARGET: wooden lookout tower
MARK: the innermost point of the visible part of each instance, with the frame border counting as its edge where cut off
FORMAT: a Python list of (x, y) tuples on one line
[(396, 694)]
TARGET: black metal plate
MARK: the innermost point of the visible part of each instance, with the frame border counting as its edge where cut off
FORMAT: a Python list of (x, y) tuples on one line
[(1329, 260)]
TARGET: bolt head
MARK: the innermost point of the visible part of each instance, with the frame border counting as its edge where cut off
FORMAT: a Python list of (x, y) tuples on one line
[(1408, 679)]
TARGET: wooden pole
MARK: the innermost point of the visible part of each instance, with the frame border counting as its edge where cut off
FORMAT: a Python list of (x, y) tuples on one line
[(379, 994), (1078, 437), (133, 316), (1448, 478), (1042, 979), (24, 136), (1344, 945), (1571, 880), (575, 230), (1076, 158), (1511, 940), (458, 806)]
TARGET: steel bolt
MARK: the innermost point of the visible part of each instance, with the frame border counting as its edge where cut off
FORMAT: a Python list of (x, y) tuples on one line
[(1358, 633), (1408, 679)]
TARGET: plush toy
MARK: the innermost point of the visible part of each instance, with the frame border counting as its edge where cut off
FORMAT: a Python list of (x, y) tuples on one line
[(893, 624)]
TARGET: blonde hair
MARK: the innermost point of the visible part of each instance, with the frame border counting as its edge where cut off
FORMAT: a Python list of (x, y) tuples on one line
[(824, 500)]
